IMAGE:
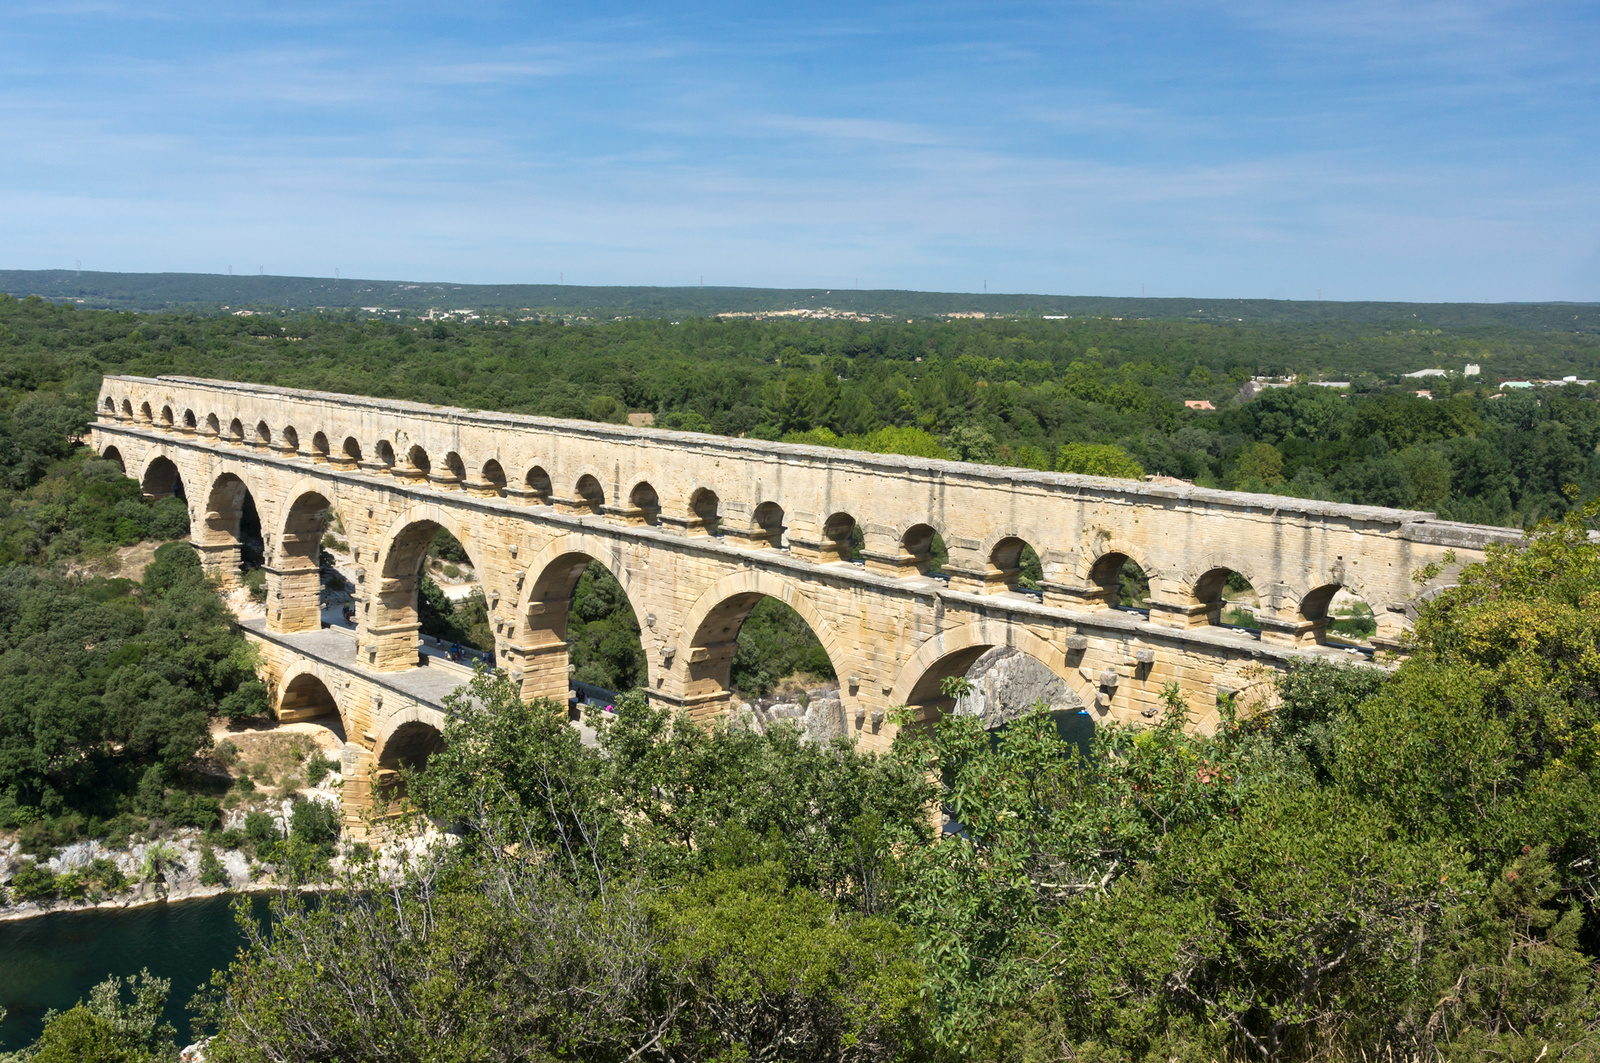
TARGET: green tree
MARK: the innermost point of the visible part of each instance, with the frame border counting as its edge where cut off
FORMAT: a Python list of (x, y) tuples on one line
[(1098, 459)]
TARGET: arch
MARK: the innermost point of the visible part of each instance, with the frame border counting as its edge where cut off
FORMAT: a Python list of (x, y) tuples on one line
[(290, 438), (110, 406), (305, 696), (537, 487), (1355, 622), (145, 416), (167, 420), (707, 641), (1105, 578), (319, 447), (385, 451), (231, 528), (161, 479), (455, 471), (127, 410), (540, 653), (297, 605), (213, 426), (917, 544), (394, 620), (350, 453), (236, 431), (838, 539), (768, 527), (409, 737), (644, 504), (590, 496), (417, 466), (189, 422), (704, 517), (113, 454), (1211, 594), (263, 435), (952, 652), (495, 476), (1013, 566)]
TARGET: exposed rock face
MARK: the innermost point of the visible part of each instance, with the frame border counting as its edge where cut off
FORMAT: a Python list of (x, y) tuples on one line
[(821, 718), (1006, 683)]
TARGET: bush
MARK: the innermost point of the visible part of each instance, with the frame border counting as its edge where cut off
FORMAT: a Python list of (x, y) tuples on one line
[(451, 572), (315, 822), (34, 882), (259, 828), (212, 872), (319, 767), (255, 582)]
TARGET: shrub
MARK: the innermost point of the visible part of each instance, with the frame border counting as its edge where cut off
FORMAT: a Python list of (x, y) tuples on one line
[(260, 829), (316, 822), (226, 753), (212, 872), (318, 768), (256, 582), (451, 572), (34, 882)]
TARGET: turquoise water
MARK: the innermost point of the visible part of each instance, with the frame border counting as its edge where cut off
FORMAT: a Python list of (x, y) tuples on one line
[(53, 961)]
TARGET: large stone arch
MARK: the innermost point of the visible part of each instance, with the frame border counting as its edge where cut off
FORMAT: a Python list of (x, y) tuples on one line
[(394, 723), (705, 644), (159, 472), (220, 539), (295, 597), (392, 621), (951, 652), (536, 646)]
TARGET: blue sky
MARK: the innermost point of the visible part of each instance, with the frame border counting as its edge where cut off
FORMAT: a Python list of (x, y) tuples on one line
[(1390, 150)]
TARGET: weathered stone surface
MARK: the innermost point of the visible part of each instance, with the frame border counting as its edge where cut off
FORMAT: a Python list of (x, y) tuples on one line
[(1007, 683)]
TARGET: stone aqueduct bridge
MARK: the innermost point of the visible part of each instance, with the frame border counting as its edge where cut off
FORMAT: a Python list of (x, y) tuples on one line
[(698, 528)]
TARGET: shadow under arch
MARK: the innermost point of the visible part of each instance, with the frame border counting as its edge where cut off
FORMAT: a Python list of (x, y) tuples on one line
[(405, 740), (161, 478), (540, 652), (297, 553), (953, 652), (113, 454), (394, 620), (708, 639)]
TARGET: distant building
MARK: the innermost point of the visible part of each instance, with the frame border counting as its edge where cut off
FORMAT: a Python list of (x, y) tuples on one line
[(1424, 394), (1516, 383), (1199, 404), (1329, 383), (1470, 370), (1425, 372)]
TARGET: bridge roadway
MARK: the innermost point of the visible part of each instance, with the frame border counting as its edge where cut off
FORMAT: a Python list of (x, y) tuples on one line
[(698, 529)]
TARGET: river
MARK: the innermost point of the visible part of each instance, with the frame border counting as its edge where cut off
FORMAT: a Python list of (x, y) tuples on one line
[(53, 961)]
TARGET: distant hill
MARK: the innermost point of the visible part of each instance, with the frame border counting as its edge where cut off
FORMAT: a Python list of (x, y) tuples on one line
[(207, 293)]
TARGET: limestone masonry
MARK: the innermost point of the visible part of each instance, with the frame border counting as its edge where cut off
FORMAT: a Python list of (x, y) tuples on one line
[(698, 528)]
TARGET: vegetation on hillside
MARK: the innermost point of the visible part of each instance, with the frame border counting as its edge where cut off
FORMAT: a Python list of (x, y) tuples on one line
[(1097, 395)]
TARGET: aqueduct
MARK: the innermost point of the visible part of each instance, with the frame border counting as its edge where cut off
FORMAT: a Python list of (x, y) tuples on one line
[(699, 528)]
